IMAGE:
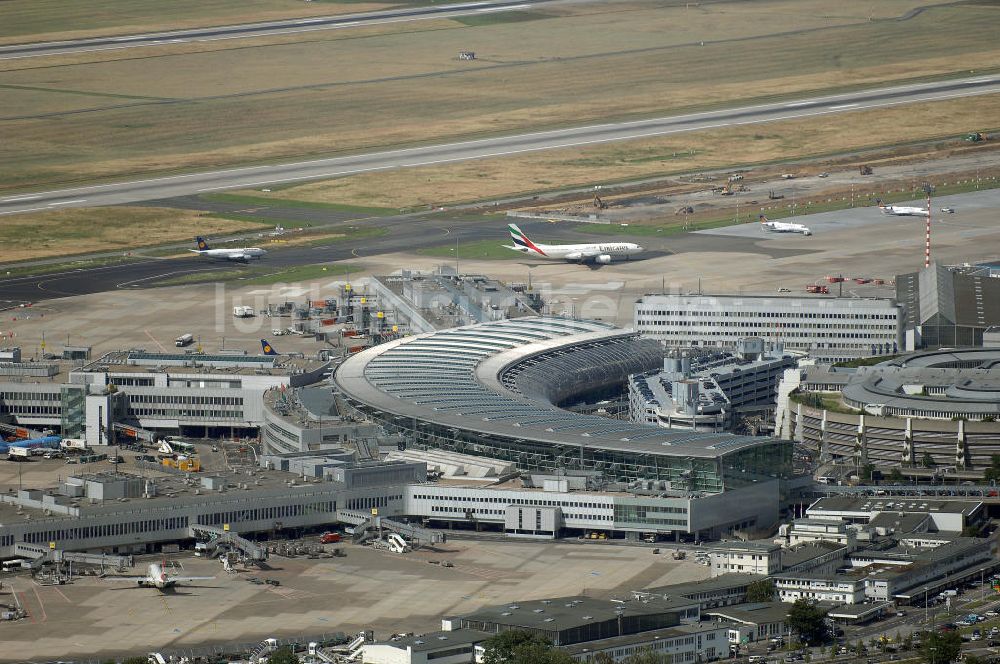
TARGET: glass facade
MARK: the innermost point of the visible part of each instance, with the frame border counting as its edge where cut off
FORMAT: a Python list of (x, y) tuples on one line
[(768, 460), (73, 404)]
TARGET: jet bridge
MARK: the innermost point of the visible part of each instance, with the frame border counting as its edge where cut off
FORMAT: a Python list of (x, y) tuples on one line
[(217, 537), (367, 527), (38, 555)]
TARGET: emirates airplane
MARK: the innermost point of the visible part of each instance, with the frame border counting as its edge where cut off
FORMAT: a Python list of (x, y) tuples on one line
[(902, 210), (600, 254), (158, 577)]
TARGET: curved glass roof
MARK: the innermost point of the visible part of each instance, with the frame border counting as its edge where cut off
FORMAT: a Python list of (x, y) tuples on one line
[(438, 377)]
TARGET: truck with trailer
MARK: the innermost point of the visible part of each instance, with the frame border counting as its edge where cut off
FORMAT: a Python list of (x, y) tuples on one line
[(184, 340)]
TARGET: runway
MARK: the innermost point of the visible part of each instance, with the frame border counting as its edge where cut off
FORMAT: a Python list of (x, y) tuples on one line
[(403, 233), (266, 29), (318, 169)]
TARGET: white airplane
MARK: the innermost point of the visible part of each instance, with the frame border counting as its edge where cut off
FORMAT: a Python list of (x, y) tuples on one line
[(601, 254), (158, 577), (243, 254), (902, 210), (783, 227)]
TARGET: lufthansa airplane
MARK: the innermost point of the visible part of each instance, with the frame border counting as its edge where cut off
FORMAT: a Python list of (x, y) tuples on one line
[(244, 254), (902, 210), (783, 226)]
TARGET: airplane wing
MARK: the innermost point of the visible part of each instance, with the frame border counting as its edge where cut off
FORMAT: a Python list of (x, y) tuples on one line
[(187, 579), (582, 256), (123, 578)]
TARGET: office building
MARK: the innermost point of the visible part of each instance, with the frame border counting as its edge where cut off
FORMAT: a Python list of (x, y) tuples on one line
[(831, 328), (709, 390)]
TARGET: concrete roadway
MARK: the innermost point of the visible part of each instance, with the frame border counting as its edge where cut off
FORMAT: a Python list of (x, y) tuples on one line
[(318, 169), (266, 29)]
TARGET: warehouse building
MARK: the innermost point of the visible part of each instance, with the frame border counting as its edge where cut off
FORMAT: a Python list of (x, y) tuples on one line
[(949, 305), (831, 328)]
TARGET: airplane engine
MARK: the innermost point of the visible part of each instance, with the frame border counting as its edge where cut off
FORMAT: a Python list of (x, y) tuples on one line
[(603, 259)]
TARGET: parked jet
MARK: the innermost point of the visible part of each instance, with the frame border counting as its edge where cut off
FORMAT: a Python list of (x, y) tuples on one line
[(158, 577), (902, 210), (601, 254), (244, 254), (783, 227)]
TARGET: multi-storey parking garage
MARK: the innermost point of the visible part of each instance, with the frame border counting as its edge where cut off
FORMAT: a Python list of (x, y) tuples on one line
[(494, 390), (935, 408)]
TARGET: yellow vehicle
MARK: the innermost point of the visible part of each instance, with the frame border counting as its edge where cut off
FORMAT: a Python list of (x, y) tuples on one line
[(185, 464)]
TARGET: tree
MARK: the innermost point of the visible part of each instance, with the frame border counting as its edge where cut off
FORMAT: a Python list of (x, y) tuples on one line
[(928, 460), (808, 621), (283, 655), (940, 647), (895, 476), (993, 472), (760, 591), (521, 647)]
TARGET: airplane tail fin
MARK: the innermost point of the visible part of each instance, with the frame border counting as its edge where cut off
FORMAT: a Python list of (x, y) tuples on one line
[(521, 240), (202, 245), (266, 346)]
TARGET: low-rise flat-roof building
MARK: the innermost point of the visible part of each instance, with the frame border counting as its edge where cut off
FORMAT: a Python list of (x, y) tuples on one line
[(816, 530), (762, 558), (724, 590), (752, 622), (446, 647), (838, 588), (945, 515), (904, 573)]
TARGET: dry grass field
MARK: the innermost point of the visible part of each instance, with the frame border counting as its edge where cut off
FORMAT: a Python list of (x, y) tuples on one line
[(50, 20), (83, 230), (704, 150), (66, 123)]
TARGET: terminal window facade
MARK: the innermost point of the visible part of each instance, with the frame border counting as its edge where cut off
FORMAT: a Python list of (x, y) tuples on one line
[(712, 475)]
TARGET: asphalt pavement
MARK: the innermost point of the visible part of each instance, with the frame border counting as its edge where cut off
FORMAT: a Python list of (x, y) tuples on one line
[(318, 169), (262, 29)]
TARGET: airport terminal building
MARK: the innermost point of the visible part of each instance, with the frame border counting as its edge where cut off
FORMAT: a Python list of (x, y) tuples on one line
[(196, 393), (495, 390)]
